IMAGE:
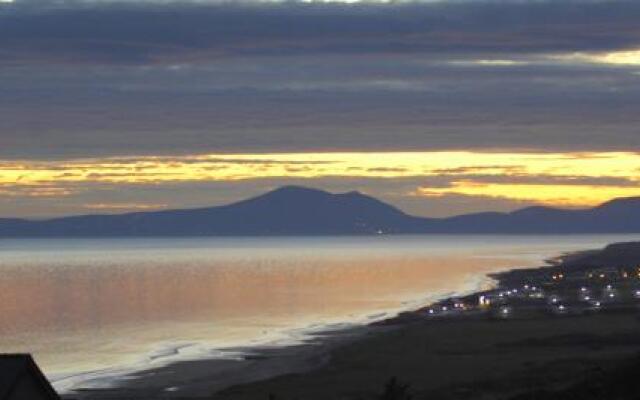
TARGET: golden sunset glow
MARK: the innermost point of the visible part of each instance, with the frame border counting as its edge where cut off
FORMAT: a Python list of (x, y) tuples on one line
[(123, 206), (553, 195), (234, 167), (622, 58), (514, 176)]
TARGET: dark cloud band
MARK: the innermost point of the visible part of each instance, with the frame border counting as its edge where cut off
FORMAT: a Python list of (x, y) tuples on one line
[(145, 32)]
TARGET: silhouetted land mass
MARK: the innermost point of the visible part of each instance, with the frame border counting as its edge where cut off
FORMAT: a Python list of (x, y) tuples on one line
[(615, 255), (293, 210)]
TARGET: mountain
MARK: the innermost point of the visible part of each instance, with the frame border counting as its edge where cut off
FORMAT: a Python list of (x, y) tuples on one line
[(293, 210), (616, 216), (289, 210)]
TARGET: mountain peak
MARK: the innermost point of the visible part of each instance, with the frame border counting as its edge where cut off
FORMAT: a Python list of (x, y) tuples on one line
[(301, 188), (353, 193), (532, 210), (621, 203), (294, 192), (295, 189)]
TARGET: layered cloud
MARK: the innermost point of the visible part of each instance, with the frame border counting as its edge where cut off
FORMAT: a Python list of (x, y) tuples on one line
[(438, 106), (560, 179), (134, 32)]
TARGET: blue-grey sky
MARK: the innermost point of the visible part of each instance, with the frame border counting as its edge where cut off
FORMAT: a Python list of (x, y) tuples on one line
[(97, 80)]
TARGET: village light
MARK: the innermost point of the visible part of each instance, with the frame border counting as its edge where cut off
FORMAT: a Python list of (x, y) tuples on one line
[(504, 311)]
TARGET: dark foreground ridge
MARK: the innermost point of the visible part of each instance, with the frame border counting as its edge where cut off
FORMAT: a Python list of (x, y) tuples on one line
[(294, 210)]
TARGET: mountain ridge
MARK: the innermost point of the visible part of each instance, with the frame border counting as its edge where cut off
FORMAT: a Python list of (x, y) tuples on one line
[(297, 210)]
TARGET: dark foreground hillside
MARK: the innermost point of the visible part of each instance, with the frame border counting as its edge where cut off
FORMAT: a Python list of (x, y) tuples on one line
[(619, 382)]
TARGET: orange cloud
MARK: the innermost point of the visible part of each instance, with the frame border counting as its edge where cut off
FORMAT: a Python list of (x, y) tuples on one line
[(123, 206)]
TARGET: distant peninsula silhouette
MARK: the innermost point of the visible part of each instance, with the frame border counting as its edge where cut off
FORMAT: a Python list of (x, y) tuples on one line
[(294, 210)]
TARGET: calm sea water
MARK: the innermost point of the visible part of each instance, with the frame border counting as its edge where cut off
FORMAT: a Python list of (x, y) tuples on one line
[(107, 305)]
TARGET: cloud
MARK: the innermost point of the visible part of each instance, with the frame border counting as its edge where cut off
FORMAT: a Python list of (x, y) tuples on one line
[(490, 63), (568, 179), (100, 78), (574, 195), (123, 206), (194, 32), (628, 58), (113, 103), (220, 167)]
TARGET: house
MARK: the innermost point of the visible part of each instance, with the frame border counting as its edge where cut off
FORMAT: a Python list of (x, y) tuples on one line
[(21, 379)]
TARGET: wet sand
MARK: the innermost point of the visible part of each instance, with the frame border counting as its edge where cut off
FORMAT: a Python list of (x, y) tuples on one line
[(201, 378)]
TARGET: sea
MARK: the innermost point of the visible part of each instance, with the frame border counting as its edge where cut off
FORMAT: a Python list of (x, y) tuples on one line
[(92, 311)]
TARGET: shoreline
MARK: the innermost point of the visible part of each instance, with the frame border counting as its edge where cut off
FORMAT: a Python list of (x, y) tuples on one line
[(254, 363), (273, 365), (202, 377), (264, 361), (250, 363), (539, 346)]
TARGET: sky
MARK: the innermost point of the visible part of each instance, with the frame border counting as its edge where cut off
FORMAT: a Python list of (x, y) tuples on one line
[(438, 107)]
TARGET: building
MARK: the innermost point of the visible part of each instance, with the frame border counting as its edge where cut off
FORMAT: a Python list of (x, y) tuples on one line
[(21, 379)]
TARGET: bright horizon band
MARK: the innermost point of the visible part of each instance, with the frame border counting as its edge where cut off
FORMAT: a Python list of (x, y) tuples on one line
[(570, 179)]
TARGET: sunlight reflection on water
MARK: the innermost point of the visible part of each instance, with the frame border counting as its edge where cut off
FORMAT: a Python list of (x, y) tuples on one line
[(81, 305)]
